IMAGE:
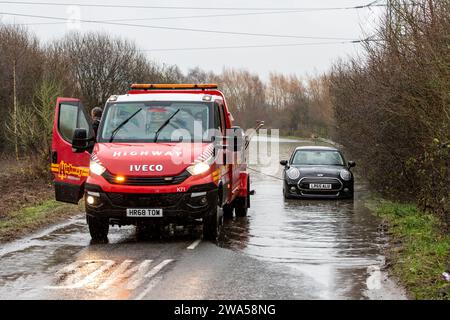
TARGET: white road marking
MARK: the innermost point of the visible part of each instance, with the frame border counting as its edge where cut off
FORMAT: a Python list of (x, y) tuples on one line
[(70, 269), (119, 272), (149, 288), (67, 273), (70, 275), (135, 274), (194, 244), (157, 268), (139, 277), (106, 265), (154, 280)]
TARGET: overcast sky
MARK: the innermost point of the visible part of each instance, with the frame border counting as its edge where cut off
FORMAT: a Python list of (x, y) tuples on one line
[(300, 60)]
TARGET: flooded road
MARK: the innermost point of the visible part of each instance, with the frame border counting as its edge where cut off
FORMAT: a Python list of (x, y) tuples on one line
[(284, 249), (335, 242)]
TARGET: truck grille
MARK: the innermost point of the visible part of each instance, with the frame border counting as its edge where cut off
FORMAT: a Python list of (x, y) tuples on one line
[(136, 200), (147, 181)]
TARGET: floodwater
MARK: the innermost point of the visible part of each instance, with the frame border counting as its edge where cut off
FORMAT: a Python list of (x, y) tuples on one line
[(336, 242), (283, 249)]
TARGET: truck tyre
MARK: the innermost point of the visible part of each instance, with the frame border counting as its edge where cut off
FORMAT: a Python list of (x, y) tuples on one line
[(98, 227), (240, 206), (227, 211), (211, 225)]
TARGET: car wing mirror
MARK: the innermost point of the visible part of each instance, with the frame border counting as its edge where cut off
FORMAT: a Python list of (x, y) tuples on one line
[(351, 164), (284, 162)]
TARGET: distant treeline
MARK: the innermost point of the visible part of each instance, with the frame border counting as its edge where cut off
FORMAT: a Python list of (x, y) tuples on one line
[(93, 66), (392, 106)]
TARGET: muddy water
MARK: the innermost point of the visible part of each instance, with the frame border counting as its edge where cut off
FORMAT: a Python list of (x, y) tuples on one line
[(337, 243)]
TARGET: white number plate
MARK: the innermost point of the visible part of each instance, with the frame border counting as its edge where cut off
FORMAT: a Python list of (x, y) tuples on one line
[(136, 213), (325, 186)]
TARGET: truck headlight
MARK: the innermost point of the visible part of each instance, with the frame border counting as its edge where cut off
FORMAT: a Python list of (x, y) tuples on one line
[(293, 173), (96, 168), (198, 168), (345, 175)]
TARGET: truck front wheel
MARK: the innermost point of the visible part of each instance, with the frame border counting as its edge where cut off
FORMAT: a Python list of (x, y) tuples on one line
[(211, 225), (98, 227)]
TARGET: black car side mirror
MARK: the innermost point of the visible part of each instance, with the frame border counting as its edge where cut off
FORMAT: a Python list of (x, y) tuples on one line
[(284, 162), (351, 164), (80, 141)]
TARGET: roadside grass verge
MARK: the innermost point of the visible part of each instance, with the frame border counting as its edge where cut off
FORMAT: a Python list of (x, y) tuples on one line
[(30, 218), (419, 252)]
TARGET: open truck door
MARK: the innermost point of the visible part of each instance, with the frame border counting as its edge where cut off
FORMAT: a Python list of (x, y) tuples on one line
[(70, 166)]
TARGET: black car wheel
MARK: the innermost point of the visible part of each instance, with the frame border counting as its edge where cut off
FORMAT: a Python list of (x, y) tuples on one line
[(98, 227)]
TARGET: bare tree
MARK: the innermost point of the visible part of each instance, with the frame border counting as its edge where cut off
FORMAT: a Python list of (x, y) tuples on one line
[(392, 108), (102, 65), (245, 94), (20, 69)]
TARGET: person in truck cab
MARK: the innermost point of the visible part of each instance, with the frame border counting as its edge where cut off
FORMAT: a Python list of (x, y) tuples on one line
[(96, 115), (152, 163)]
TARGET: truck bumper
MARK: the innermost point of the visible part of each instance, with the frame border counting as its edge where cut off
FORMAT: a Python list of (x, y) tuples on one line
[(180, 207)]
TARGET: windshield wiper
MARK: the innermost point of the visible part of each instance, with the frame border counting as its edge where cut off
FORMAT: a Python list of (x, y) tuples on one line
[(122, 124), (164, 124)]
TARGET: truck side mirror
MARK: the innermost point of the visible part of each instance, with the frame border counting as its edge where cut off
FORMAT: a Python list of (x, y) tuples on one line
[(284, 162), (351, 164), (80, 141)]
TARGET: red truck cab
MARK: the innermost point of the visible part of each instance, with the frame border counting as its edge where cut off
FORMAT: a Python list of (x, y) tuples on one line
[(166, 153)]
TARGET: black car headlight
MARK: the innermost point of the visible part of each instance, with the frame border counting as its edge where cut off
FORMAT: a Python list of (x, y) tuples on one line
[(293, 173), (345, 175)]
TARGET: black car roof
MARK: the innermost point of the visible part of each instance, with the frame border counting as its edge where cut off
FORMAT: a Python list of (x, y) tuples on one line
[(316, 148)]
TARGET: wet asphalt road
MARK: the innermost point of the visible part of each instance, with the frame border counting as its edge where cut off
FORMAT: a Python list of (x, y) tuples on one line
[(282, 250)]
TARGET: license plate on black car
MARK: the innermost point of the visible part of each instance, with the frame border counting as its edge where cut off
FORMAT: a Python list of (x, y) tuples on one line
[(320, 186)]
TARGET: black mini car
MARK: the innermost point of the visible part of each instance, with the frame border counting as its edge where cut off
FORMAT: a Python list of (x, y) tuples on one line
[(317, 172)]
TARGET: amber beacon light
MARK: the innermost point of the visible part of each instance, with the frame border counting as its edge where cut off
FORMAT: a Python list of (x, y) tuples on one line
[(169, 86)]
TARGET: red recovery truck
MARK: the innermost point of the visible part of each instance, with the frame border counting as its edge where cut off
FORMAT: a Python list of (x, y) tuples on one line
[(163, 153)]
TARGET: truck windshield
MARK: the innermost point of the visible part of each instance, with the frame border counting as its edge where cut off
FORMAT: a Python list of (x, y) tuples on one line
[(313, 157), (190, 122)]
